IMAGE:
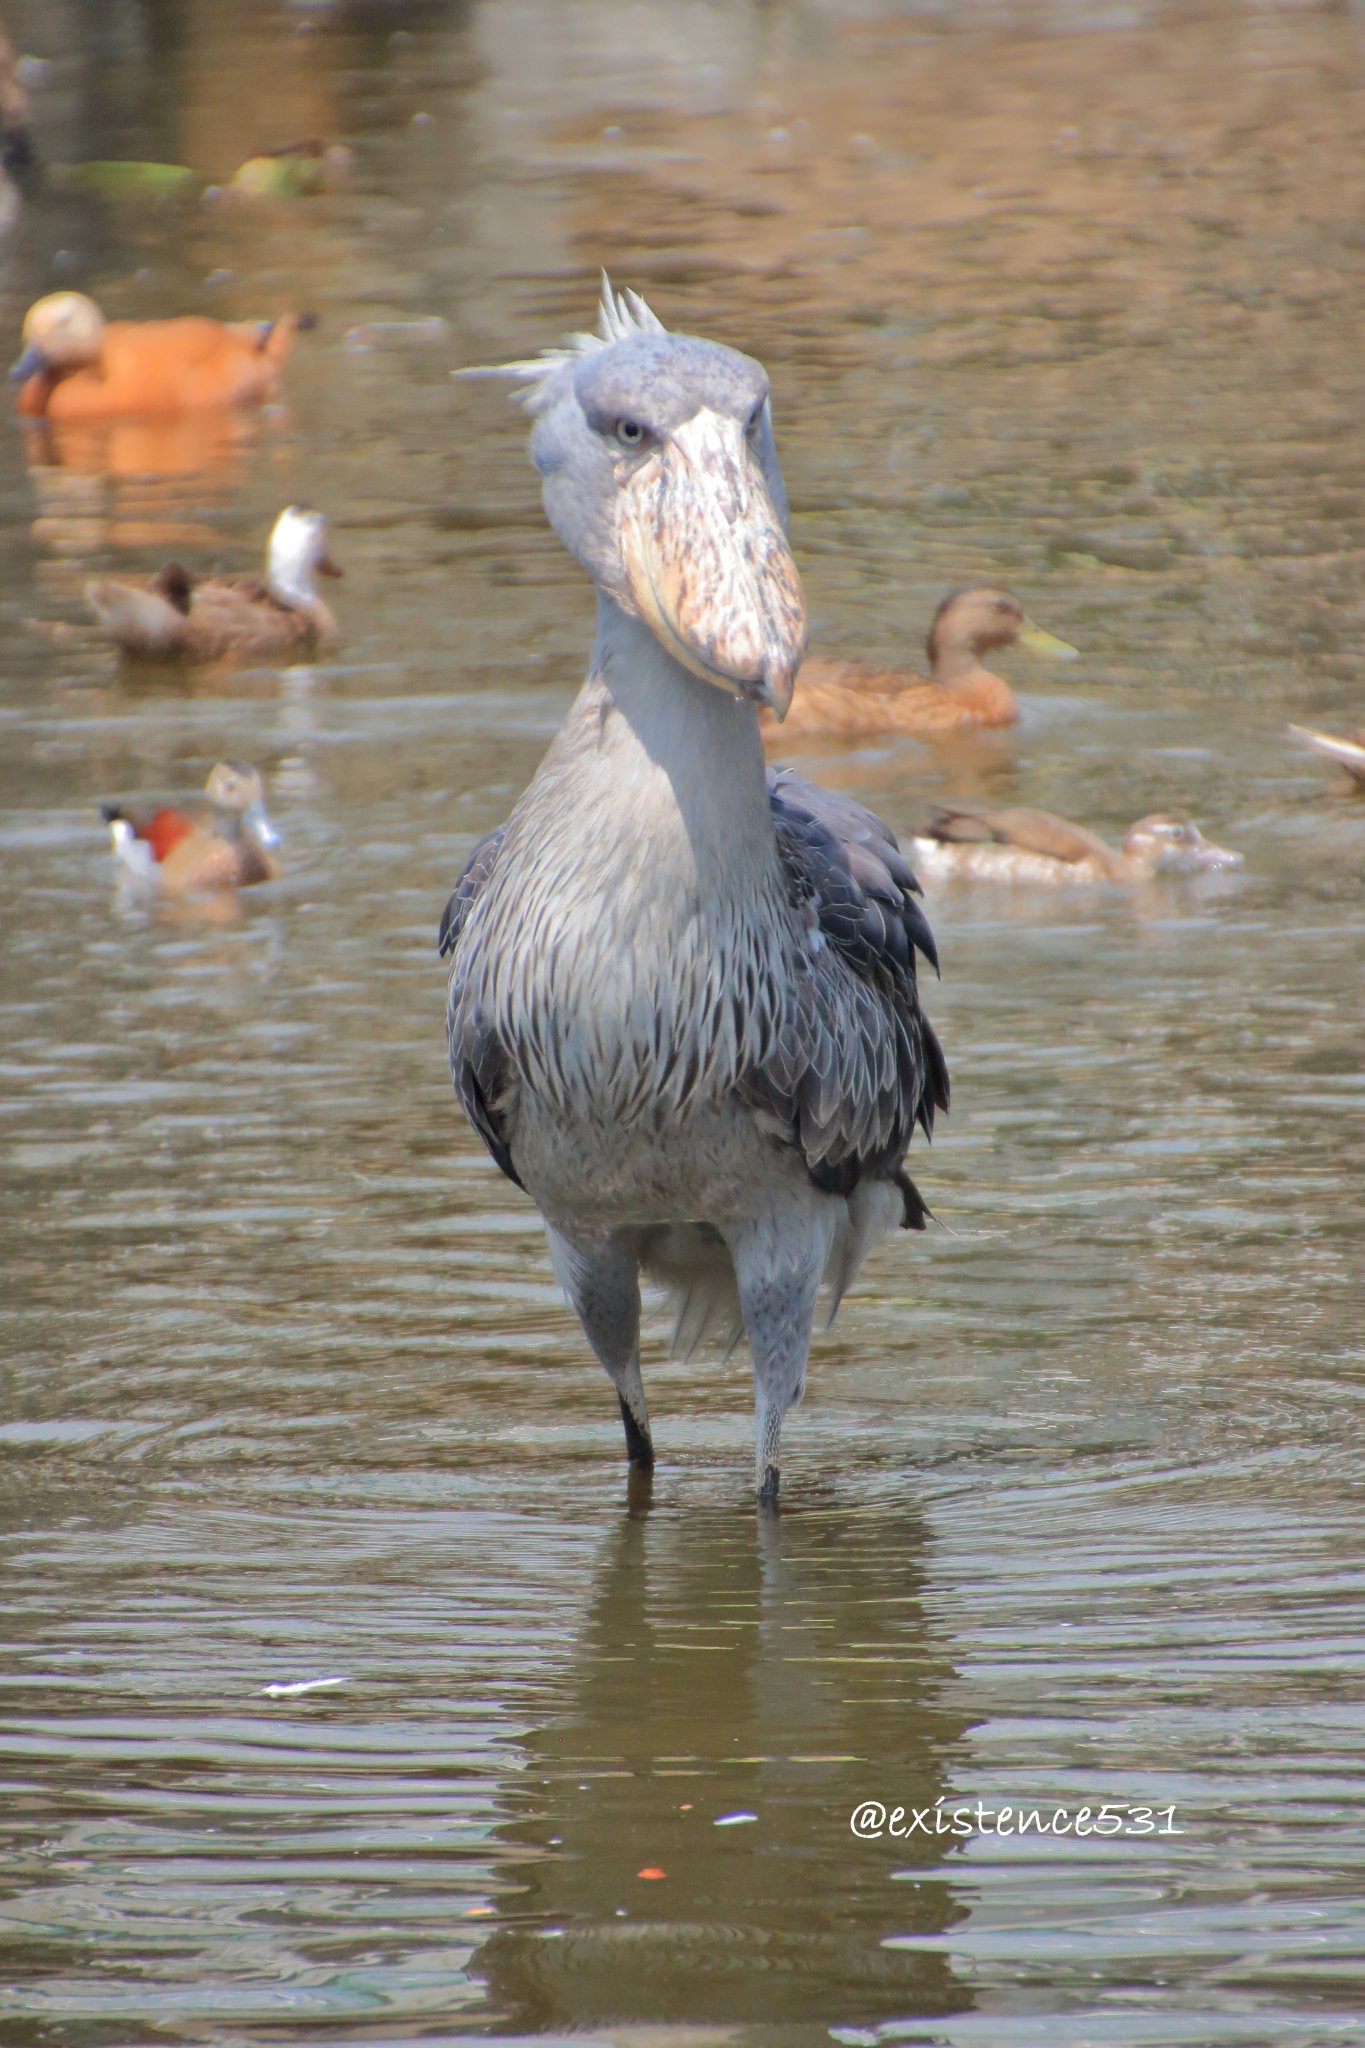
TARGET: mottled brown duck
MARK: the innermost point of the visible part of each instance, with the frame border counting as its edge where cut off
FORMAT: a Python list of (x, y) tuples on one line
[(175, 616)]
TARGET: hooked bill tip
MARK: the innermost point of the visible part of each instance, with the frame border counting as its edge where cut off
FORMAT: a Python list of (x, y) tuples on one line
[(779, 681)]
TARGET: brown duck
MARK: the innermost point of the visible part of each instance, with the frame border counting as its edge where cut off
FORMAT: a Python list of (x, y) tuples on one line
[(178, 617), (1020, 845), (846, 699), (221, 839)]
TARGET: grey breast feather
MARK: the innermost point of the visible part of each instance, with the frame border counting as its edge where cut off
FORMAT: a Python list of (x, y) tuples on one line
[(855, 1064)]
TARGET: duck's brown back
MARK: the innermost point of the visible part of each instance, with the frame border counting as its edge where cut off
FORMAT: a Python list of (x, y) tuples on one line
[(844, 699), (1034, 832), (238, 615)]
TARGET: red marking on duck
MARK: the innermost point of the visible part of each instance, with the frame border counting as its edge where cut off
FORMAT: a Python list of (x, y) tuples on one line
[(163, 830), (219, 840)]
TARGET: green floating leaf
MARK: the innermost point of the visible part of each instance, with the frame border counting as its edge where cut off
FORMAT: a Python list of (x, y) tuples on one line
[(151, 181)]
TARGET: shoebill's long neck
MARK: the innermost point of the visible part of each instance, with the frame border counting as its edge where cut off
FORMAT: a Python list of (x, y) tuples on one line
[(638, 903), (682, 759)]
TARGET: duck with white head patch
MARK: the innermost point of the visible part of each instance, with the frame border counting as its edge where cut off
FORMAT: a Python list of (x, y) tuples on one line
[(683, 1010), (175, 616)]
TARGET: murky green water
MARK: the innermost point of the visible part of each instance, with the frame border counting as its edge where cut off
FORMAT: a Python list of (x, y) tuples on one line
[(1068, 296)]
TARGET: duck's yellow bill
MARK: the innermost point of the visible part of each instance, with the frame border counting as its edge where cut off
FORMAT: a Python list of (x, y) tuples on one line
[(1038, 642)]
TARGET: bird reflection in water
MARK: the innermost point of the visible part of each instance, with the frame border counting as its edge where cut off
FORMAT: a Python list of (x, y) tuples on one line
[(782, 1669), (129, 484)]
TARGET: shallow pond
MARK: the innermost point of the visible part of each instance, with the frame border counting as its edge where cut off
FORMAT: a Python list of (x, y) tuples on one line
[(1070, 296)]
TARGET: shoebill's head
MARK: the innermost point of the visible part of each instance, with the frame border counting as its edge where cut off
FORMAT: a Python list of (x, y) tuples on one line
[(661, 477)]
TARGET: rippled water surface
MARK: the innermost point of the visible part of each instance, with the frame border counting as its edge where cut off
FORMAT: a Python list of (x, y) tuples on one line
[(1066, 296)]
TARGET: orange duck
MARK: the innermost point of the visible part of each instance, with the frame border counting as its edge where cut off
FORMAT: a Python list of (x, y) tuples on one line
[(846, 699), (221, 839), (78, 366)]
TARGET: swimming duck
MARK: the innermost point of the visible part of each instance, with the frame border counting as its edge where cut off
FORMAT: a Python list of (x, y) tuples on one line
[(844, 699), (683, 1012), (219, 840), (1348, 752), (1019, 845), (77, 365), (175, 616)]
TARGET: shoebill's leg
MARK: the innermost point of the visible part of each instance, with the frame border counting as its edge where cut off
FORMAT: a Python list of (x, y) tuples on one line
[(601, 1277), (780, 1259)]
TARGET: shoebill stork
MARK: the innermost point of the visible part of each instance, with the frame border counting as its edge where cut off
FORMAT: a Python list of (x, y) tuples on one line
[(683, 1012)]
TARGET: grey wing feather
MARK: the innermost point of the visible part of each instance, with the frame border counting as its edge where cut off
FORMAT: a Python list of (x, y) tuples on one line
[(477, 1063), (471, 885), (859, 1064)]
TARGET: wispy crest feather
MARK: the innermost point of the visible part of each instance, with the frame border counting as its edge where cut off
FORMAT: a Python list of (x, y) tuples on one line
[(618, 314)]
